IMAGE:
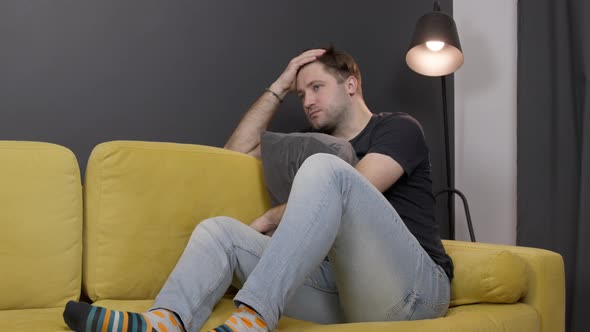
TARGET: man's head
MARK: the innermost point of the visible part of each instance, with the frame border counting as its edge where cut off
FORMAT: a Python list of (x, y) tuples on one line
[(327, 88), (340, 64)]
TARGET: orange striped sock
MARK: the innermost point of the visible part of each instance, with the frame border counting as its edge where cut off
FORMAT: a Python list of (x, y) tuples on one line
[(243, 320), (83, 317)]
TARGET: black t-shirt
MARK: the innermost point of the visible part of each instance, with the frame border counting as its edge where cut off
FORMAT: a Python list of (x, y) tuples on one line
[(400, 136)]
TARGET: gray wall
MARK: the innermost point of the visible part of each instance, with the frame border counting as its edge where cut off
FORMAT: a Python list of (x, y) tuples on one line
[(485, 119), (78, 73)]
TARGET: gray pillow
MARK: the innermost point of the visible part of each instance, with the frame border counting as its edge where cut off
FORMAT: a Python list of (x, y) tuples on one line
[(283, 154)]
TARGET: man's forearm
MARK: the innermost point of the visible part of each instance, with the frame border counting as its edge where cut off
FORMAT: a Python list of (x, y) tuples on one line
[(276, 213), (246, 136)]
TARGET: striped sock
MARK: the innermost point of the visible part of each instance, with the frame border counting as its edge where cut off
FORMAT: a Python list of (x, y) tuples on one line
[(244, 320), (83, 317)]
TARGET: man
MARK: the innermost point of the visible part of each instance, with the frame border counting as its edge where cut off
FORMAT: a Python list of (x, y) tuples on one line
[(374, 222)]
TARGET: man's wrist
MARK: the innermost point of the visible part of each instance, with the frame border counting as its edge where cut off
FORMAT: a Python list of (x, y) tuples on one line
[(276, 95), (280, 91), (278, 212)]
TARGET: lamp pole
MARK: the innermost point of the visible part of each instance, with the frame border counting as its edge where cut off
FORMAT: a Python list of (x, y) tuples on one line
[(450, 189), (450, 201)]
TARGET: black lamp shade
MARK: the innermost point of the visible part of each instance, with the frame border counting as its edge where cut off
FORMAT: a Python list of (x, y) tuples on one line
[(427, 60)]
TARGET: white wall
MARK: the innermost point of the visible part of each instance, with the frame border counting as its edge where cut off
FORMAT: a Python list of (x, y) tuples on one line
[(485, 119)]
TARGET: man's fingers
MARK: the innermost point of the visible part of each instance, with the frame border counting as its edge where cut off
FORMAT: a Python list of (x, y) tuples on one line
[(295, 65), (314, 52), (300, 62), (286, 81), (308, 56)]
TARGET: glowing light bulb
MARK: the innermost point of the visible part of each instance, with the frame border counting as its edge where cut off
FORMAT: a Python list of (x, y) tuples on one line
[(435, 46)]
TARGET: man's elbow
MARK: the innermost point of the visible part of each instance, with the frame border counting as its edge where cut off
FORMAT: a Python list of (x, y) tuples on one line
[(255, 152)]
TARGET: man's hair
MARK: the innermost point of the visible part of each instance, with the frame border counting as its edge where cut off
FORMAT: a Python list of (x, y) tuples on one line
[(341, 65)]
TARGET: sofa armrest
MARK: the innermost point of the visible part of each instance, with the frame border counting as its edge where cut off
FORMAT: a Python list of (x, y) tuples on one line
[(546, 279)]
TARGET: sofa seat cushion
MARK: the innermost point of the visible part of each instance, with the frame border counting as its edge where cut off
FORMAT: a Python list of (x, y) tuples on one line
[(515, 317), (30, 320)]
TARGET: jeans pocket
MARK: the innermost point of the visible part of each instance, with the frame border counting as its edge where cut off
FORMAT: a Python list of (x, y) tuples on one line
[(403, 309), (414, 307), (428, 310)]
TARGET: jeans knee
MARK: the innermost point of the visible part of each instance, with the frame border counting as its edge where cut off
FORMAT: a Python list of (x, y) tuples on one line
[(325, 164), (218, 227)]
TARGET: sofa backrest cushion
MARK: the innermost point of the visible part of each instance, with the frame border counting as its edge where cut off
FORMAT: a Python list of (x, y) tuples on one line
[(40, 225), (496, 276), (143, 201)]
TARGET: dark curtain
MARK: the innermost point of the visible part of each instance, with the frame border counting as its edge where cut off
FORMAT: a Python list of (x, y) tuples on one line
[(554, 140)]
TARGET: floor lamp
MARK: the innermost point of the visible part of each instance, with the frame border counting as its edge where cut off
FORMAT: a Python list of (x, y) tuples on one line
[(436, 51)]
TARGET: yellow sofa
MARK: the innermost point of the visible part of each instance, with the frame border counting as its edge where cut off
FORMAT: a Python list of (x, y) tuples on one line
[(141, 202)]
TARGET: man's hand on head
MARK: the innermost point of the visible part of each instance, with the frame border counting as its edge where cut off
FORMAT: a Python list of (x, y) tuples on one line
[(286, 82)]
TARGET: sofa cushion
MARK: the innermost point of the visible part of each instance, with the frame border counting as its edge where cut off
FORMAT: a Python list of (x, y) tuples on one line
[(516, 317), (283, 154), (143, 201), (487, 276), (27, 320), (41, 225)]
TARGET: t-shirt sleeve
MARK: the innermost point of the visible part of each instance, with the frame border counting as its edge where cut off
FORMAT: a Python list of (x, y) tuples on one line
[(402, 139)]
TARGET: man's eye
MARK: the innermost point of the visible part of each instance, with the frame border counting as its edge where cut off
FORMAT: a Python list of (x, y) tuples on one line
[(316, 87)]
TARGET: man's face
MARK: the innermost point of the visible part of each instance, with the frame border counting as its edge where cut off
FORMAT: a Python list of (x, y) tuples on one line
[(325, 101)]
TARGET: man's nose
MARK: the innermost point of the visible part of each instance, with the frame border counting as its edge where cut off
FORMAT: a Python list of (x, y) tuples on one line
[(308, 101)]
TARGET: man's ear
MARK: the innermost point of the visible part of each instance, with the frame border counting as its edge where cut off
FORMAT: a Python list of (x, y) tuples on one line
[(352, 85)]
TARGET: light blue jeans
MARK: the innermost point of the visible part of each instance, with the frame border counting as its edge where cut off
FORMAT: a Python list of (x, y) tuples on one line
[(376, 270)]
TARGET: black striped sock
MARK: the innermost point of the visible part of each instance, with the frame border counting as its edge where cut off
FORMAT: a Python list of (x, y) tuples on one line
[(83, 317)]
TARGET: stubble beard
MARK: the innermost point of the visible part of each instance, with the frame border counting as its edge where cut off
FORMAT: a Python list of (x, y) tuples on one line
[(339, 115)]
